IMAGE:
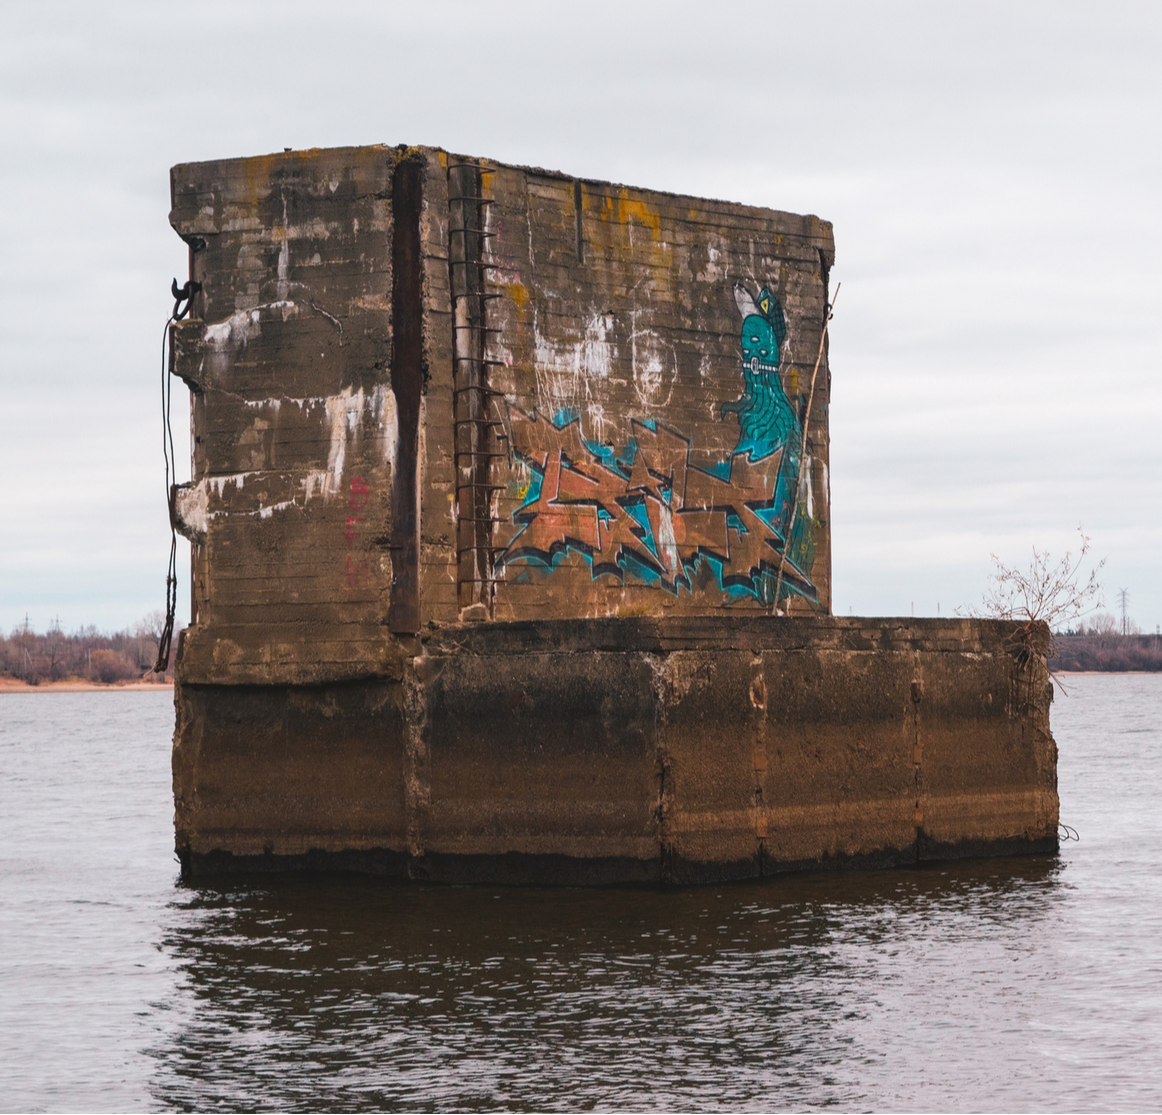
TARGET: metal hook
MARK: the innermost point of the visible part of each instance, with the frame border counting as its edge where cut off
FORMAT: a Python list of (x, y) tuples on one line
[(183, 294)]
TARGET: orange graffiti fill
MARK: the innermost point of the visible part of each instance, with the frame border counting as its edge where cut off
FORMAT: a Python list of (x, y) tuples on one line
[(601, 508)]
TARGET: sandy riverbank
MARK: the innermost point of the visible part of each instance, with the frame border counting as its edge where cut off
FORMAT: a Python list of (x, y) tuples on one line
[(79, 685)]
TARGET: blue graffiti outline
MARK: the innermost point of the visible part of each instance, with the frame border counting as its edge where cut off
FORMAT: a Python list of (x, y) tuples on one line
[(767, 421)]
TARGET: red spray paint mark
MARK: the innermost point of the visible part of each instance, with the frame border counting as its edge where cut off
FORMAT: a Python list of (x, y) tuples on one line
[(359, 494), (358, 568)]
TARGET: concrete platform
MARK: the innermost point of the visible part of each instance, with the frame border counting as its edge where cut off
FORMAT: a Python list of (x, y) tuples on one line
[(510, 516), (630, 751)]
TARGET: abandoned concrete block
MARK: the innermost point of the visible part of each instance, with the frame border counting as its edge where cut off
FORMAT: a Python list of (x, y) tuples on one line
[(511, 532)]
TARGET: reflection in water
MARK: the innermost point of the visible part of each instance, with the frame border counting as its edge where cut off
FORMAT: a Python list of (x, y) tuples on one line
[(355, 995), (1026, 984)]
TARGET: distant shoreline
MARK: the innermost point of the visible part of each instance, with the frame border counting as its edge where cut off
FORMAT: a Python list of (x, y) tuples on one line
[(1095, 673), (79, 685)]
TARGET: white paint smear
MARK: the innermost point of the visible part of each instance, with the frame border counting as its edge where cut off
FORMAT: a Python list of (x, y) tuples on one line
[(565, 368)]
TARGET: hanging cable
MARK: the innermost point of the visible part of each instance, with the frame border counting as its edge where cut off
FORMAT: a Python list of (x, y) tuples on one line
[(167, 450), (183, 300)]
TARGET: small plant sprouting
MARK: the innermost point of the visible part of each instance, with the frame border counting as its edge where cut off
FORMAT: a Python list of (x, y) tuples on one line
[(1053, 593)]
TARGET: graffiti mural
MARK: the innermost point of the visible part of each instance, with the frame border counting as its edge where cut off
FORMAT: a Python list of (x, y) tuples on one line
[(647, 512)]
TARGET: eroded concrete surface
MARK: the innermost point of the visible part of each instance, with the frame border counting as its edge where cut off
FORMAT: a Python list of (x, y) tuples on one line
[(511, 560)]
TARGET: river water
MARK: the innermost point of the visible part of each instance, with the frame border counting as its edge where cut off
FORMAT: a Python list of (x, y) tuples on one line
[(1029, 983)]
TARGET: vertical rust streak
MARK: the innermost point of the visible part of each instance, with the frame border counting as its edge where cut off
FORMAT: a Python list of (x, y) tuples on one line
[(917, 765), (577, 200), (407, 384)]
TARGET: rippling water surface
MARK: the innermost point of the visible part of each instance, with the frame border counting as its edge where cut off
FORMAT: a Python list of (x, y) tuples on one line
[(1012, 983)]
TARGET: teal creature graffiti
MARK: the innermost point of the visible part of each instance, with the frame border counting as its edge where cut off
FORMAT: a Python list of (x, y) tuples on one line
[(650, 513), (766, 419)]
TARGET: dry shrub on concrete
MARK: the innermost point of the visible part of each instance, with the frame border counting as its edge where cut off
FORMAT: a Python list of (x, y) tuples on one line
[(1048, 592)]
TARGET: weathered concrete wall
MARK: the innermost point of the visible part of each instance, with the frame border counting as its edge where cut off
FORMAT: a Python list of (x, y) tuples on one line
[(632, 750), (520, 394), (497, 477), (287, 356), (645, 453)]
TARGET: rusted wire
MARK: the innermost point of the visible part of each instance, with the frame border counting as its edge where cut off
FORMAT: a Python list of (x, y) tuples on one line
[(828, 312), (167, 449)]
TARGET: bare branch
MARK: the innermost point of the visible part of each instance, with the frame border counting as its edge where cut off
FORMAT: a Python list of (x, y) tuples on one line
[(1053, 593)]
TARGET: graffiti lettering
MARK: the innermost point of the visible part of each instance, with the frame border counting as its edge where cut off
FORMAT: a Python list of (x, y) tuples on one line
[(647, 512)]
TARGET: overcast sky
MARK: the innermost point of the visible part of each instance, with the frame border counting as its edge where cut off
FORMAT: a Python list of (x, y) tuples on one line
[(992, 172)]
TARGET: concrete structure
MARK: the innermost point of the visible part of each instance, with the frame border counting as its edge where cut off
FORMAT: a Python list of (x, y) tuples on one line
[(512, 554)]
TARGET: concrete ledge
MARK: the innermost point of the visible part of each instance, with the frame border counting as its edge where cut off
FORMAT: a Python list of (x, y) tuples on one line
[(631, 751)]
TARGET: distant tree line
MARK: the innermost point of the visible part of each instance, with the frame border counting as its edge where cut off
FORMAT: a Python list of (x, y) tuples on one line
[(1099, 644), (85, 654)]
